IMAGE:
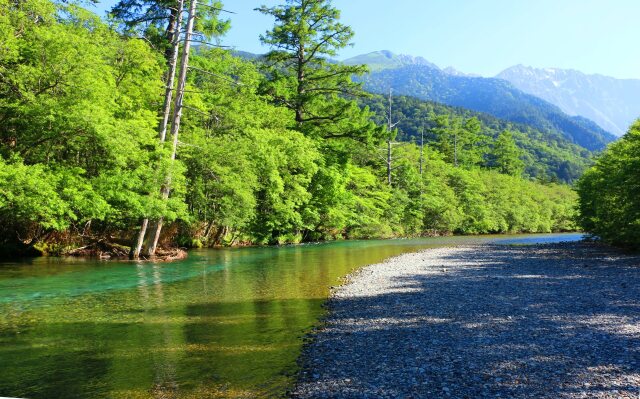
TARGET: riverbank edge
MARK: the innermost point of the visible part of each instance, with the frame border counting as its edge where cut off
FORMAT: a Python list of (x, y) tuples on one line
[(101, 250), (310, 337), (111, 250), (304, 372)]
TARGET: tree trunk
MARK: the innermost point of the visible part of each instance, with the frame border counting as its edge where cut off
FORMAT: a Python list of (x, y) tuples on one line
[(156, 237), (170, 32), (222, 231), (166, 107), (177, 112), (421, 149), (390, 127), (455, 150), (207, 230), (389, 161), (135, 254), (171, 74), (300, 89)]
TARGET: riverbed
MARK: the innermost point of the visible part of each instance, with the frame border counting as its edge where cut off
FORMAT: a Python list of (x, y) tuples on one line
[(492, 321), (222, 323)]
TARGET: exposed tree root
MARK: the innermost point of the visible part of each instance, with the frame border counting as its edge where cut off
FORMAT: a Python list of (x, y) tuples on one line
[(107, 250)]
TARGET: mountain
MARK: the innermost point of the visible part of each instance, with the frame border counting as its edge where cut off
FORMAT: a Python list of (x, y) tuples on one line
[(612, 103), (247, 55), (452, 71), (424, 80), (381, 60), (385, 59)]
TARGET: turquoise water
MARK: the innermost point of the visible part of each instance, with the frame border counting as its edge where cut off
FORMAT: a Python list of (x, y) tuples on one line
[(222, 323)]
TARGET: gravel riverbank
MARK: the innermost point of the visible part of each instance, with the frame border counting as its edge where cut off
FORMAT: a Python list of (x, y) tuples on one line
[(544, 321)]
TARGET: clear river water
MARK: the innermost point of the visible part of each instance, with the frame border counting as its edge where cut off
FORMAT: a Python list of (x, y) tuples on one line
[(224, 323)]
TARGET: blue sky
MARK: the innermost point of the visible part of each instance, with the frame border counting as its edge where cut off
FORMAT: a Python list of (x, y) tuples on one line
[(478, 36)]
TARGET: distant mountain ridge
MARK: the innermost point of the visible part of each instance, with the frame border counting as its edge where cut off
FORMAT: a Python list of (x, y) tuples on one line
[(452, 71), (385, 59), (417, 77), (612, 103)]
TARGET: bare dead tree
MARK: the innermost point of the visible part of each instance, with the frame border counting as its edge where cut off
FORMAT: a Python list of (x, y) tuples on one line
[(390, 126), (421, 148), (166, 107), (455, 148), (140, 241), (177, 113), (171, 75)]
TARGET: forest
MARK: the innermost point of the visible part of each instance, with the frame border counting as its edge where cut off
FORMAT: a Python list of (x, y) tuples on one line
[(282, 149), (547, 156), (609, 192), (494, 96)]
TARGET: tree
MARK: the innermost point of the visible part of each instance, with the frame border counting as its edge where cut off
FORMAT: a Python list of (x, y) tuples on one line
[(175, 127), (505, 156), (301, 78), (610, 193), (155, 20), (471, 143), (146, 18), (81, 163), (458, 139), (77, 112)]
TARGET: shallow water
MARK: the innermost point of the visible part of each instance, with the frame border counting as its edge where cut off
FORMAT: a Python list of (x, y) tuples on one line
[(222, 323)]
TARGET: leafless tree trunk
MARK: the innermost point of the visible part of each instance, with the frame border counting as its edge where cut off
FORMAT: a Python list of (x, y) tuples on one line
[(171, 75), (177, 112), (301, 84), (421, 148), (389, 160), (143, 231), (455, 149), (390, 126), (166, 108)]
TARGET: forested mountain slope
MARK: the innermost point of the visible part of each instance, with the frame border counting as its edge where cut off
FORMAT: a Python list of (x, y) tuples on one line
[(494, 96), (546, 155)]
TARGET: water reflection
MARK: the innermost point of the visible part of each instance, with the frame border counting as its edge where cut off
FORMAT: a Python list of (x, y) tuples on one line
[(223, 323)]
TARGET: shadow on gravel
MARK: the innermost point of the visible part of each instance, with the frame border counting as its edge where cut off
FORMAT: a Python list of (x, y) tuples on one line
[(556, 321)]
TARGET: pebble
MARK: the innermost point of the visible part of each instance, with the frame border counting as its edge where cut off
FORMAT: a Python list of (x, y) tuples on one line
[(541, 321)]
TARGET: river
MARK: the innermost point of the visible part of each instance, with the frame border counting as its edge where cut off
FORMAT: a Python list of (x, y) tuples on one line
[(223, 323)]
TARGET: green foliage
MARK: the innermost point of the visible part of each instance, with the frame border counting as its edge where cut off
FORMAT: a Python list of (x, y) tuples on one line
[(610, 193), (505, 156), (77, 112), (52, 201), (546, 156), (496, 97), (286, 163), (153, 20), (302, 79), (79, 154), (459, 139)]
